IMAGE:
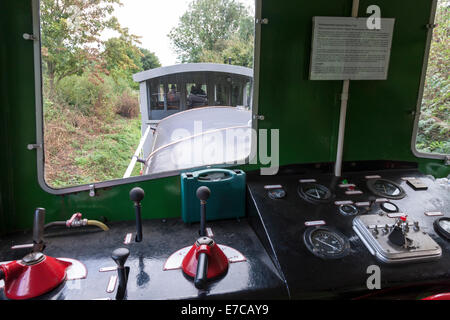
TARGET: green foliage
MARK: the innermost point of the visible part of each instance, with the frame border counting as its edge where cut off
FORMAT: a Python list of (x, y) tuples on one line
[(215, 31), (70, 29), (434, 123), (122, 58), (149, 60), (233, 51), (88, 94)]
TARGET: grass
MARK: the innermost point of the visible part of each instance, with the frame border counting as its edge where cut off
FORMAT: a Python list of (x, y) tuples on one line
[(85, 149)]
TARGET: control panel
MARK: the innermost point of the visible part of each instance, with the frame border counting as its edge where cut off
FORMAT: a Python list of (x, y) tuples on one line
[(325, 231)]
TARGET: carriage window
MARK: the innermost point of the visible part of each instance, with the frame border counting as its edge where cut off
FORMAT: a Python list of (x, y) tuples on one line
[(173, 97), (197, 95), (157, 97), (221, 95), (110, 69), (433, 134)]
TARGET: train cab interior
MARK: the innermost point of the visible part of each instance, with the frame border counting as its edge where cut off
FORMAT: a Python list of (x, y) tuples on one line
[(335, 200)]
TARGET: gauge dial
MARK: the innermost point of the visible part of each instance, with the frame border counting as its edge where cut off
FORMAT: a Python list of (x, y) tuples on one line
[(445, 224), (348, 210), (385, 188), (314, 192), (389, 207), (326, 243), (442, 226)]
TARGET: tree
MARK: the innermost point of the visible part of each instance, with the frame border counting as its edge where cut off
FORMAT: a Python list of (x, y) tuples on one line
[(233, 51), (121, 56), (71, 31), (211, 26), (149, 60)]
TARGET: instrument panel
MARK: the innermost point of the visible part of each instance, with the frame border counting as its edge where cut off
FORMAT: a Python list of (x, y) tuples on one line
[(336, 226)]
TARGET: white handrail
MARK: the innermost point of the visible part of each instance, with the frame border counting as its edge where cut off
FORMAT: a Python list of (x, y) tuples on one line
[(136, 154)]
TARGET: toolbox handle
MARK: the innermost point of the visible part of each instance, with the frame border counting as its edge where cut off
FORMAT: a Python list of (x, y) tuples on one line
[(228, 174)]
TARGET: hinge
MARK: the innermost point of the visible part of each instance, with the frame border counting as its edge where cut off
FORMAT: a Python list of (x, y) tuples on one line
[(28, 36), (34, 146), (258, 117), (262, 21), (92, 190)]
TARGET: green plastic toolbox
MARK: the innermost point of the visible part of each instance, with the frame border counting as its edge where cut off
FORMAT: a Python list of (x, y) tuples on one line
[(227, 198)]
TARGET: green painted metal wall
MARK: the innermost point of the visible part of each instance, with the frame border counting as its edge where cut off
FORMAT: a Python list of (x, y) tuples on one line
[(380, 113)]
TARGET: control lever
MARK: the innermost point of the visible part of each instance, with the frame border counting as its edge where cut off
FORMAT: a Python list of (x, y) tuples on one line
[(203, 194), (200, 280), (136, 195), (38, 230), (205, 260), (398, 234), (120, 256), (201, 276)]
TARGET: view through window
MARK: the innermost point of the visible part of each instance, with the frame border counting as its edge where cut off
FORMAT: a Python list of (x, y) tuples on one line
[(434, 123), (113, 68)]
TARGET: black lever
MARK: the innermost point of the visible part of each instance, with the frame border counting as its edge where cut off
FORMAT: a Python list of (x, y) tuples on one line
[(38, 230), (203, 194), (136, 195), (202, 271), (120, 256)]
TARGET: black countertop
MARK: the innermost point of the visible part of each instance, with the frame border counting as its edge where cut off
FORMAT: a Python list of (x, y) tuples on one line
[(256, 278)]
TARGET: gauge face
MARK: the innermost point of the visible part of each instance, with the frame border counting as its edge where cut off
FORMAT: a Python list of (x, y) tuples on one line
[(385, 188), (276, 193), (389, 207), (326, 243), (314, 192), (445, 225), (348, 210), (442, 226)]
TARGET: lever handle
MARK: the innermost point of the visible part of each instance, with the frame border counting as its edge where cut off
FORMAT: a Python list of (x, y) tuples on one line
[(203, 194), (136, 195), (38, 229), (120, 256), (202, 271)]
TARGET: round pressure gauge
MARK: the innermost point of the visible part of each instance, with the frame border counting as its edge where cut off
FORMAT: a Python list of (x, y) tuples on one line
[(348, 210), (442, 226), (326, 243), (389, 207), (314, 192), (385, 188)]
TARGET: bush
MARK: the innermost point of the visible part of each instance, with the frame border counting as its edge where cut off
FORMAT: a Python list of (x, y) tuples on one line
[(88, 94), (127, 105)]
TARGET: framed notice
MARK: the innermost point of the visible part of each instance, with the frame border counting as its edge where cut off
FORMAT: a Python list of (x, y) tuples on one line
[(344, 48)]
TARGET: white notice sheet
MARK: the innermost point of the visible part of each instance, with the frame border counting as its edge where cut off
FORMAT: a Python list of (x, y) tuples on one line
[(345, 48)]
